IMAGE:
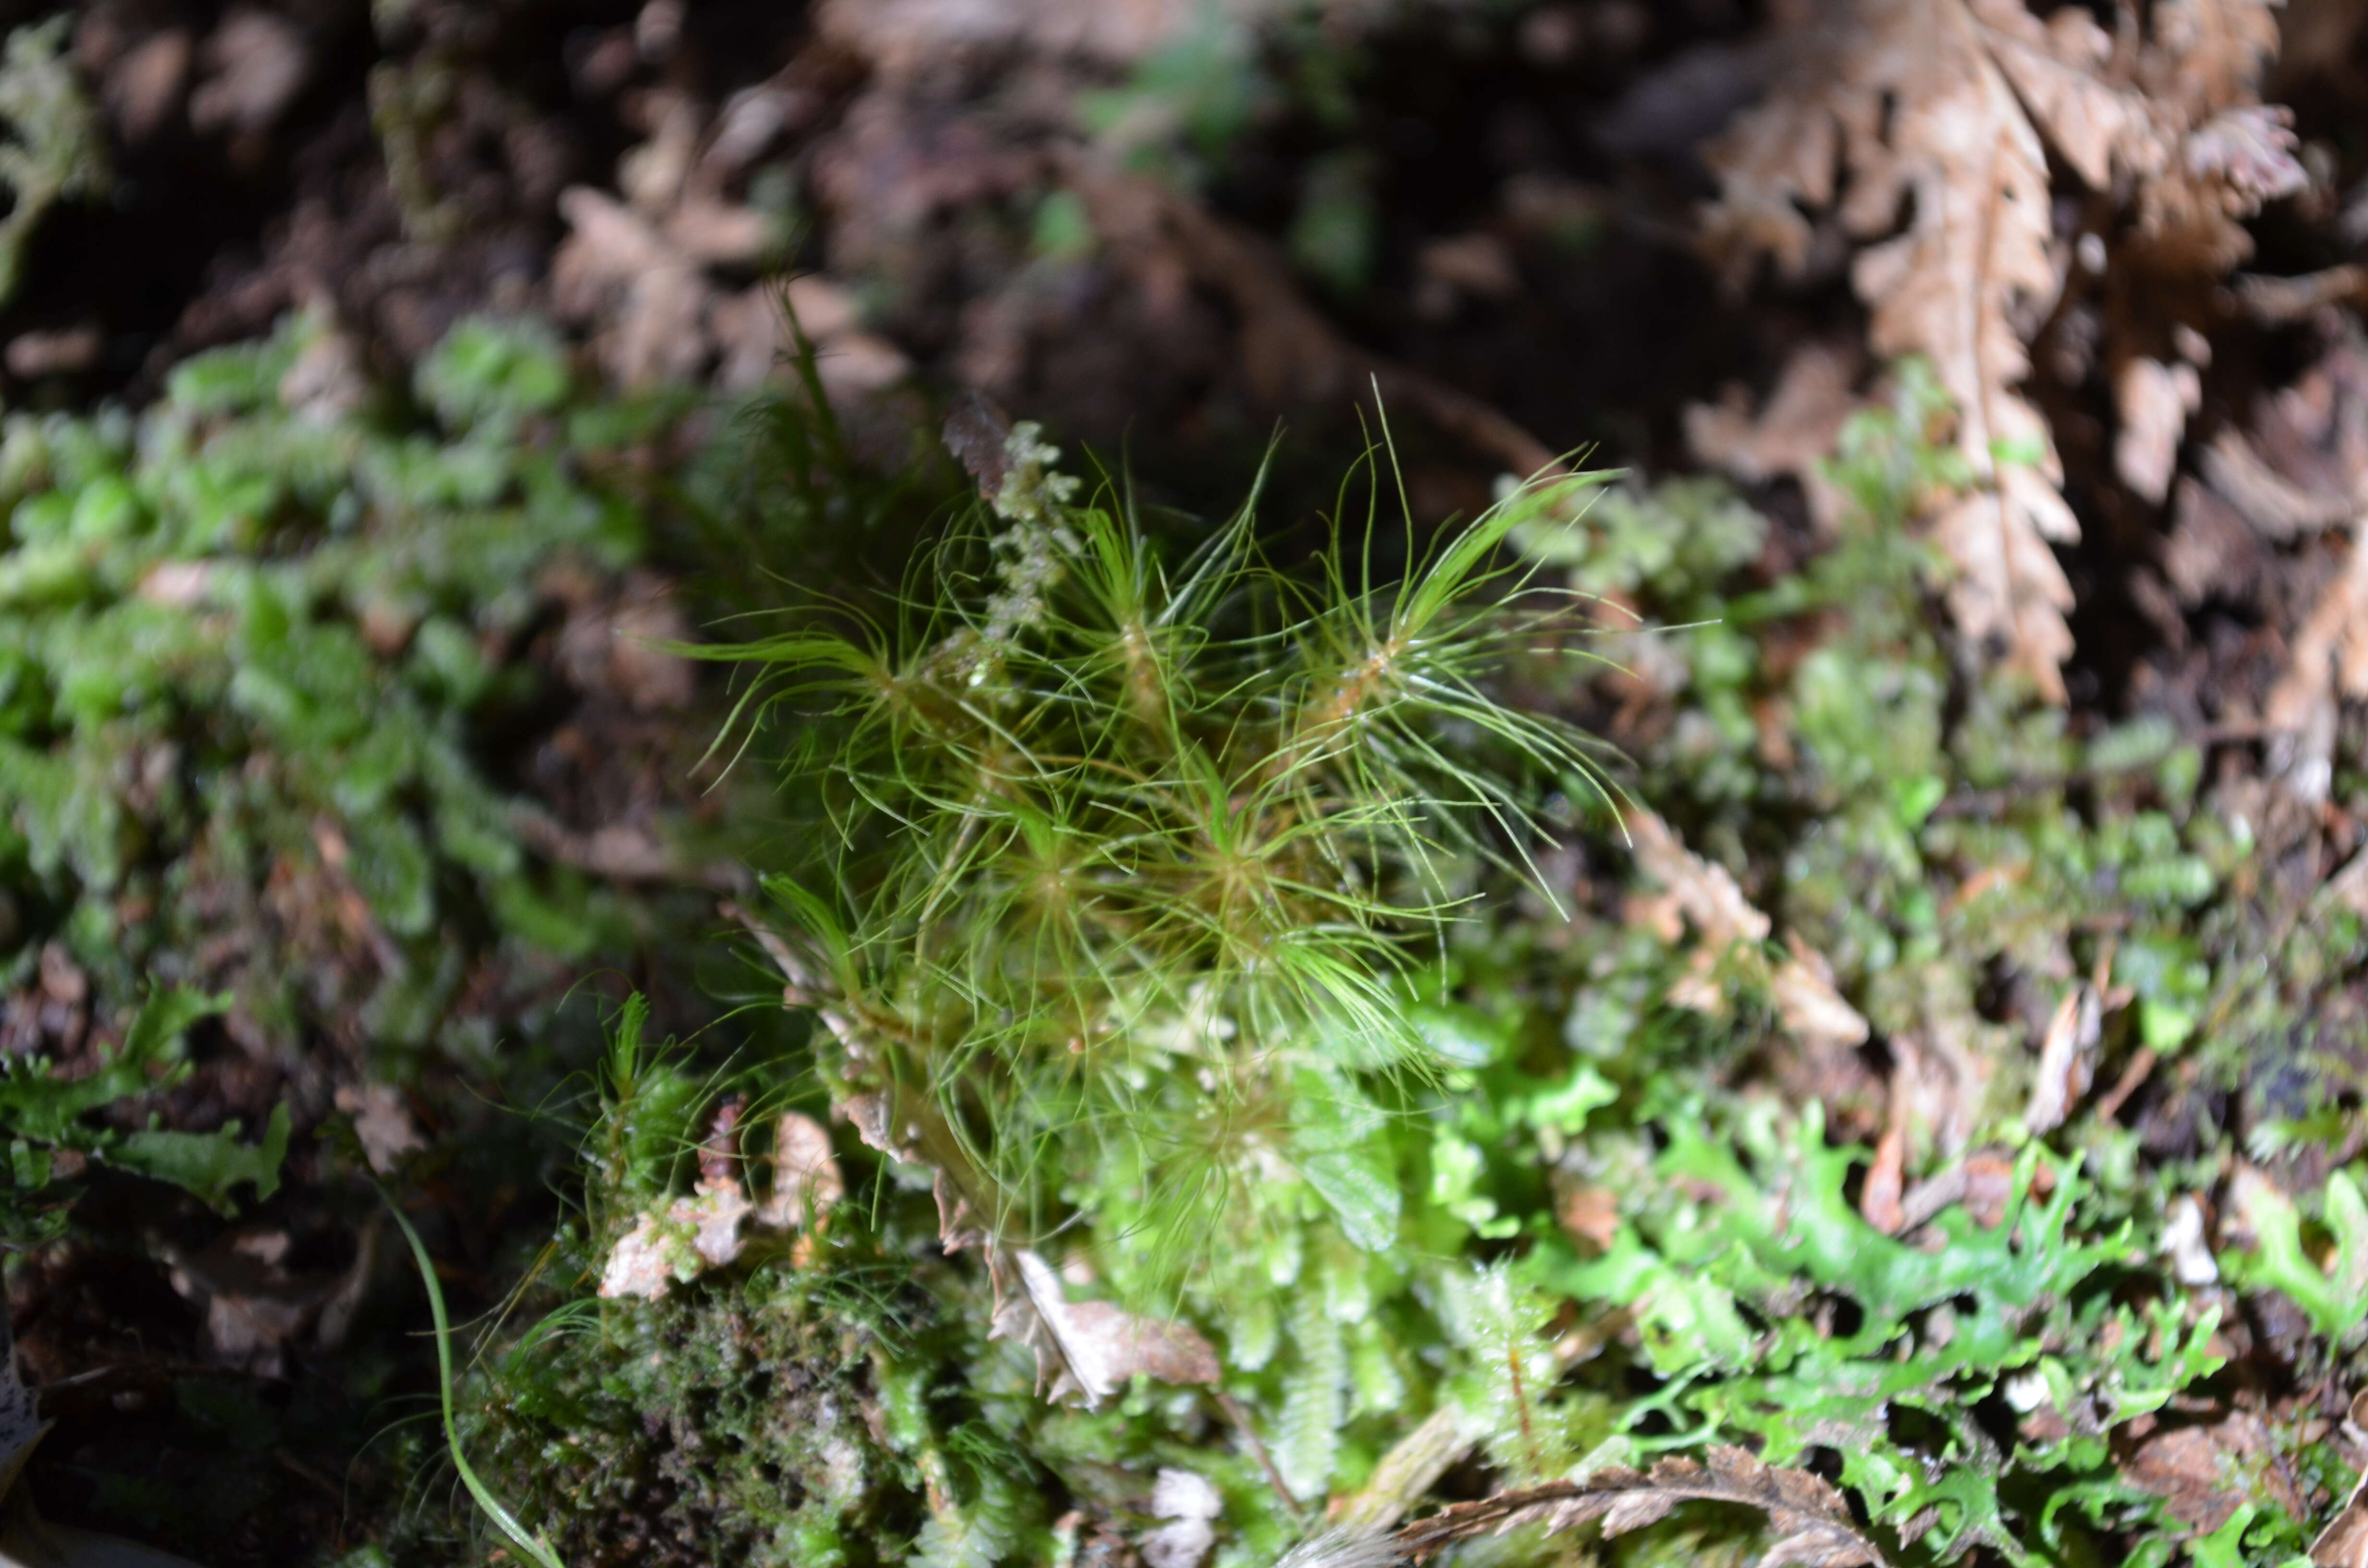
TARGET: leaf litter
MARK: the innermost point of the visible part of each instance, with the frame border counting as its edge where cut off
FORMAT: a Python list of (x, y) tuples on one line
[(2163, 119)]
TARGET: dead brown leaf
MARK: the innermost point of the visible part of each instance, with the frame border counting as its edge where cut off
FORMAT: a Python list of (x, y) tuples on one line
[(2330, 663), (2282, 302), (1088, 1350), (616, 268), (678, 1243), (806, 1180), (640, 272), (1731, 929), (2279, 506), (1938, 108), (2203, 1472), (1878, 1201), (1706, 894), (145, 85), (1590, 1213), (691, 1236), (1806, 1000), (2153, 401), (1983, 1183), (256, 62), (1475, 266), (383, 1121), (61, 351), (1791, 436), (2068, 1058)]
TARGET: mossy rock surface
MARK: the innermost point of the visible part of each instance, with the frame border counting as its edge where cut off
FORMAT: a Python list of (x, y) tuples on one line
[(724, 1422)]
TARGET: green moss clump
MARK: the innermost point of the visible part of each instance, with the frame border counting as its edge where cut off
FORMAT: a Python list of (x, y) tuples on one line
[(1542, 1192), (273, 657), (717, 1425)]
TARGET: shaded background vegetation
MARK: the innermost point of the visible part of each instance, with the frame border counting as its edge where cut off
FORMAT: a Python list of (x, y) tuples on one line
[(389, 383)]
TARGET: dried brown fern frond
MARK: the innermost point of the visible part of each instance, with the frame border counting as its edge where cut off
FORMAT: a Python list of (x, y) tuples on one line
[(1923, 127), (1813, 1525)]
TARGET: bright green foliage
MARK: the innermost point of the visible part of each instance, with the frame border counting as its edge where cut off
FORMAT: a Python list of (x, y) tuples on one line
[(55, 148), (1128, 866), (1134, 898), (1934, 836), (257, 668), (2335, 1296), (42, 1114), (234, 633), (1161, 914), (1734, 1270)]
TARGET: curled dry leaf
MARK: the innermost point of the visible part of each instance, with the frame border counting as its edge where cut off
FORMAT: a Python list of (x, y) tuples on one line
[(382, 1123), (1707, 898), (616, 266), (1590, 1213), (691, 1236), (1879, 1200), (2250, 531), (2153, 401), (1944, 109), (679, 1243), (642, 271), (806, 1180), (1803, 989), (1983, 1183), (2282, 302), (2278, 507), (2067, 1059), (256, 65), (2302, 467), (1791, 436), (1088, 1350)]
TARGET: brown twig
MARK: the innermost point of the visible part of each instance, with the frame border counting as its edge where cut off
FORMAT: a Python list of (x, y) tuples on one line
[(1241, 1420), (1813, 1524), (2133, 1075)]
